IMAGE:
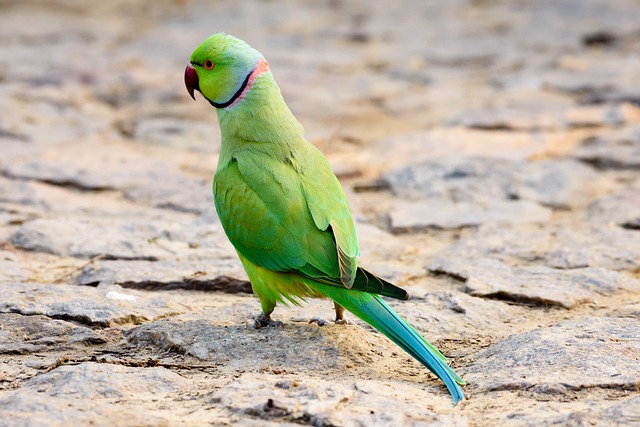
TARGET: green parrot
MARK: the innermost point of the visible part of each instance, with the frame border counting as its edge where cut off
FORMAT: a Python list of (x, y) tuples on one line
[(283, 208)]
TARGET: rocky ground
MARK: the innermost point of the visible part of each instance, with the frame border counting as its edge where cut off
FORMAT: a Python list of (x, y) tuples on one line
[(491, 153)]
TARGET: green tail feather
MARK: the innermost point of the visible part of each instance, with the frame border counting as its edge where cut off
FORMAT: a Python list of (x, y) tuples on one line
[(366, 282), (373, 310)]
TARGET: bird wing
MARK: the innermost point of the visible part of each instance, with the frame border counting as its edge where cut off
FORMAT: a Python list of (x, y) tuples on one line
[(287, 218), (263, 209), (329, 208)]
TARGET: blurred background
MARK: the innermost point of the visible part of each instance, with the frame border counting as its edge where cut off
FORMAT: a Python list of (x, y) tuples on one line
[(354, 72), (95, 91)]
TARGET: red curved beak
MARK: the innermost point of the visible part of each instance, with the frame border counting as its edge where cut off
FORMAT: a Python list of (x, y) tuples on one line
[(191, 81)]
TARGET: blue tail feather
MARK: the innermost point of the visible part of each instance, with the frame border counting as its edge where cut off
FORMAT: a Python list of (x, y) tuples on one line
[(373, 310)]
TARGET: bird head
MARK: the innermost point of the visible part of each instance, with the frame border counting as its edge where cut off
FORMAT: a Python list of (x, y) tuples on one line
[(222, 69)]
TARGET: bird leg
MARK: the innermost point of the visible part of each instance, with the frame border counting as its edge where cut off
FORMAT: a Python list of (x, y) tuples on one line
[(340, 320), (264, 320)]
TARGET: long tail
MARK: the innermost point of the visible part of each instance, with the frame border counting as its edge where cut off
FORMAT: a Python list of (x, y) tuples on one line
[(373, 310)]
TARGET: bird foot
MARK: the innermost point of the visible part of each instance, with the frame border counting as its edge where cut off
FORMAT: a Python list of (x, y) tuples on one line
[(263, 321), (319, 321), (322, 322), (340, 319)]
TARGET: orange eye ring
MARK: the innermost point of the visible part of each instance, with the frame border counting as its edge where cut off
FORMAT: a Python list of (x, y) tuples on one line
[(208, 65)]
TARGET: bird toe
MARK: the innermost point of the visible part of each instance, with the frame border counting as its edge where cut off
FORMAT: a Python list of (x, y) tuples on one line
[(319, 321)]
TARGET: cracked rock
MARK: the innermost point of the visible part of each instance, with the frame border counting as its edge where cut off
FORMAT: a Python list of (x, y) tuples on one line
[(445, 314), (536, 285), (308, 348), (591, 352), (21, 334), (77, 394), (100, 306), (413, 216), (106, 237), (166, 275), (562, 183), (561, 246), (621, 207), (322, 402), (618, 149)]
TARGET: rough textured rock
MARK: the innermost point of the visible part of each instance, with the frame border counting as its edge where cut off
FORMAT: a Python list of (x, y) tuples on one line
[(534, 118), (534, 284), (90, 306), (91, 390), (76, 380), (10, 267), (110, 238), (454, 193), (36, 199), (323, 402), (87, 166), (384, 258), (570, 356), (563, 246), (614, 150), (407, 216), (314, 348), (501, 153), (441, 142), (29, 334), (561, 183), (625, 412), (441, 315), (621, 207), (165, 275)]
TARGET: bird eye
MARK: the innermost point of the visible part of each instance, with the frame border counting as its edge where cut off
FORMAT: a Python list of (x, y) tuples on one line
[(208, 64)]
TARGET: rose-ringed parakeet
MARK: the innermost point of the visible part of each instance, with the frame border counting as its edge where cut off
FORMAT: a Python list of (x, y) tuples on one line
[(283, 208)]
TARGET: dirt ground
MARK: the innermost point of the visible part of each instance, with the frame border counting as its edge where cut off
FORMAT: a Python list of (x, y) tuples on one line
[(490, 151)]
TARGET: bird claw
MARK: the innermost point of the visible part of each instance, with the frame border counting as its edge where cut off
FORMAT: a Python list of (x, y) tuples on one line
[(263, 321), (319, 321), (323, 322)]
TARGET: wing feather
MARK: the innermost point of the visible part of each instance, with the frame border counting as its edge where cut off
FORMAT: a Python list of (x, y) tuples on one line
[(293, 217), (330, 210), (263, 211)]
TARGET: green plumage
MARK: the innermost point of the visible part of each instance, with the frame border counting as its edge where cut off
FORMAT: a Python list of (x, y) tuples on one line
[(281, 205)]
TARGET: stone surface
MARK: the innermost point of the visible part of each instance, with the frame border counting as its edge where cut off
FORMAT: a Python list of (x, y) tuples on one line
[(535, 119), (441, 315), (561, 183), (21, 334), (614, 150), (537, 285), (490, 162), (333, 347), (111, 238), (91, 390), (323, 402), (35, 199), (578, 354), (441, 142), (11, 269), (162, 274), (562, 246), (89, 306), (621, 207), (625, 412), (408, 216)]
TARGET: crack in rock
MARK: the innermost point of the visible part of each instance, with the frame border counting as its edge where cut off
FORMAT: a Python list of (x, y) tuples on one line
[(224, 284)]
